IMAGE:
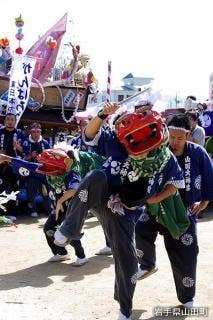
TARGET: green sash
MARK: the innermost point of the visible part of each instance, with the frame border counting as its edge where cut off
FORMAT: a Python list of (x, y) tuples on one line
[(172, 214)]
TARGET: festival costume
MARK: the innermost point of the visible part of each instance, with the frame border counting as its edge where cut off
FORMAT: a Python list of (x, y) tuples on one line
[(80, 143), (117, 193), (182, 252), (57, 171), (34, 186), (7, 138), (8, 180)]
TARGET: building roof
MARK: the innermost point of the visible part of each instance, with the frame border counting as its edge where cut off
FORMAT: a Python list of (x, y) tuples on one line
[(130, 81), (128, 76)]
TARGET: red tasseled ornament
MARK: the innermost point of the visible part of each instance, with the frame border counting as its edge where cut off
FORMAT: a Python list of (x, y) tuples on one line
[(53, 44), (78, 48), (19, 50)]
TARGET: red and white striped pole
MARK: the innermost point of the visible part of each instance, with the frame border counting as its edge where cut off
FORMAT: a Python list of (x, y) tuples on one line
[(108, 82)]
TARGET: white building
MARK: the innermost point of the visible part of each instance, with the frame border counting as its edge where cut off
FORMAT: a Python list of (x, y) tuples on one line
[(130, 86)]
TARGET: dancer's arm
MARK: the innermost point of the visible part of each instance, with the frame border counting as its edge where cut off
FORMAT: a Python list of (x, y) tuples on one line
[(23, 168), (95, 124), (59, 206), (5, 158), (169, 190)]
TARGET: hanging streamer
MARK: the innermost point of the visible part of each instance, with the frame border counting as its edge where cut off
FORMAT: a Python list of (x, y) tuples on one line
[(108, 98), (34, 105)]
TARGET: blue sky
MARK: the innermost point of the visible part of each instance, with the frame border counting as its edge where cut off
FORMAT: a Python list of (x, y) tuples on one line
[(170, 40)]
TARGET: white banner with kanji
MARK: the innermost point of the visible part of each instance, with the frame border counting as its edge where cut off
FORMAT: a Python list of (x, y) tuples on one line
[(20, 83)]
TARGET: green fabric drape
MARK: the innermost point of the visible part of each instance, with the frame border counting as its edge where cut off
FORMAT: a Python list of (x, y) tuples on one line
[(172, 214), (154, 161), (88, 161), (56, 181), (152, 164)]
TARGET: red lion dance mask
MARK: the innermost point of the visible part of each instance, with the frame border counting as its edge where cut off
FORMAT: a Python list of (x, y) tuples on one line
[(140, 132), (54, 161)]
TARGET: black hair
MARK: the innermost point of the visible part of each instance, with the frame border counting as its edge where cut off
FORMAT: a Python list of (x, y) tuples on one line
[(116, 118), (193, 115), (35, 125), (192, 98), (71, 154), (10, 114), (180, 121)]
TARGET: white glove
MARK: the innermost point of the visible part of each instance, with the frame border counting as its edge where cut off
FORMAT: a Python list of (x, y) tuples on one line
[(60, 240)]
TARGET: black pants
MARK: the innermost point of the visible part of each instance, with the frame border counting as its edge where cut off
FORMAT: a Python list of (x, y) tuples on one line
[(182, 254), (34, 187), (49, 230), (95, 213), (9, 183), (8, 178), (92, 194)]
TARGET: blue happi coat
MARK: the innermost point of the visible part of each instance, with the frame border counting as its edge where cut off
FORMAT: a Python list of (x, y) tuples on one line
[(198, 174), (122, 180), (7, 138), (27, 169)]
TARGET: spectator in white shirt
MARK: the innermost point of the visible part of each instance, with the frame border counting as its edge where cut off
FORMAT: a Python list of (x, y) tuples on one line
[(197, 132)]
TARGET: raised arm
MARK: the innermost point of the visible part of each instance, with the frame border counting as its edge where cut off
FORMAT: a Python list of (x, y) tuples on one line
[(5, 158), (95, 124)]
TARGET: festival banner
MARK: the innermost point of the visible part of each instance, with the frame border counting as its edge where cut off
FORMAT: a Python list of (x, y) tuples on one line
[(3, 103), (46, 50), (20, 83)]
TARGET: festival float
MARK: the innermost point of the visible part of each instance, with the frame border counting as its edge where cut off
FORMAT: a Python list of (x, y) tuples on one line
[(56, 93)]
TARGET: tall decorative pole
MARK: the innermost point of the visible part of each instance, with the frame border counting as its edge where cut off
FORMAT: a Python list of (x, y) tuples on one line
[(108, 98), (19, 22)]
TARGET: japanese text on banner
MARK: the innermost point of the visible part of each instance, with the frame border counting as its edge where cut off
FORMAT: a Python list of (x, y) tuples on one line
[(20, 83)]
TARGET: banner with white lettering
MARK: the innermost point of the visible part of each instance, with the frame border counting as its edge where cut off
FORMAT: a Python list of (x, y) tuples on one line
[(20, 83)]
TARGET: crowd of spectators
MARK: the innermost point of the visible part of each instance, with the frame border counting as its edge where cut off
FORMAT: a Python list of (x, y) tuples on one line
[(26, 144)]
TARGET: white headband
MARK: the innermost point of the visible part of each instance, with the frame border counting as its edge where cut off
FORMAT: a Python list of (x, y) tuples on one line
[(178, 128)]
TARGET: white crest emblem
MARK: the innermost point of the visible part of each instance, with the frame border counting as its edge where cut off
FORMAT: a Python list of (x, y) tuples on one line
[(25, 143), (134, 278), (198, 182), (51, 195), (140, 253), (205, 121), (115, 167), (187, 239), (144, 217), (83, 195), (24, 171), (132, 176), (188, 282)]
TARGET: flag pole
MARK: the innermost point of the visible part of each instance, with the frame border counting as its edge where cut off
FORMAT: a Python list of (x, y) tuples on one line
[(108, 94)]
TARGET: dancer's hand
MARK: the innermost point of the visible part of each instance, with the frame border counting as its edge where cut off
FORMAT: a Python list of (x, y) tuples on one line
[(110, 108), (4, 158), (59, 207), (17, 146), (197, 207)]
